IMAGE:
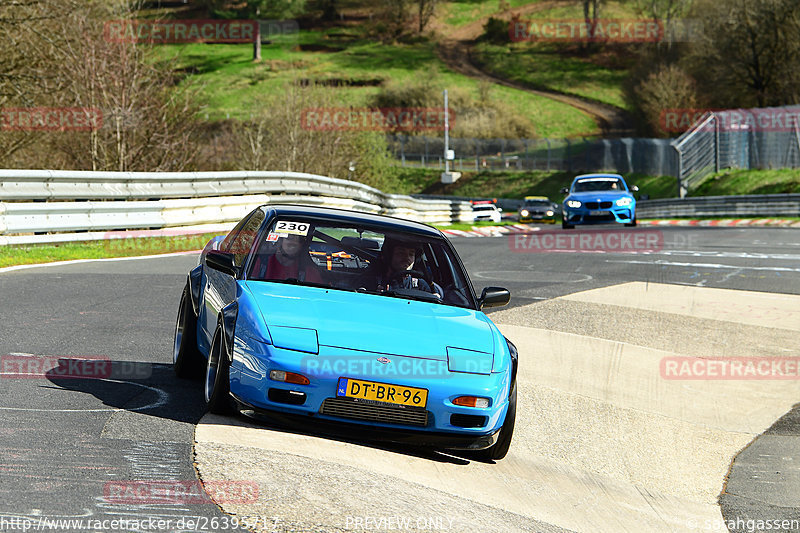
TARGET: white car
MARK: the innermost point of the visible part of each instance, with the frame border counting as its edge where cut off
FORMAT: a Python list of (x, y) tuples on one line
[(488, 212)]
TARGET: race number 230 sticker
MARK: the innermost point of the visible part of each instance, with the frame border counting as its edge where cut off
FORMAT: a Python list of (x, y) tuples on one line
[(293, 228)]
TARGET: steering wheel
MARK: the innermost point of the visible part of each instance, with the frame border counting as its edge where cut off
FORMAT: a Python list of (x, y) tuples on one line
[(413, 273), (416, 274)]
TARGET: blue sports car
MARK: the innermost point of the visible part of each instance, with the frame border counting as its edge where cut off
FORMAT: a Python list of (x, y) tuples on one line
[(598, 199), (350, 322)]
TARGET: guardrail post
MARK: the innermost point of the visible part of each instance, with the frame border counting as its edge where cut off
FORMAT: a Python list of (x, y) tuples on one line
[(716, 142), (526, 166), (569, 158), (681, 193), (586, 154), (548, 154)]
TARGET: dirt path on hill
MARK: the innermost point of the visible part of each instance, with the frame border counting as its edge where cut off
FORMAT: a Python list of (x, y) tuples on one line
[(454, 49)]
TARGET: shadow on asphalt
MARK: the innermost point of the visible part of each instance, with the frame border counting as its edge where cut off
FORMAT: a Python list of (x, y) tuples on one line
[(154, 390)]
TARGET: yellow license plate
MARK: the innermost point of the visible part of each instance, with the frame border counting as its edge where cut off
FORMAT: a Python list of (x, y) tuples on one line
[(382, 392)]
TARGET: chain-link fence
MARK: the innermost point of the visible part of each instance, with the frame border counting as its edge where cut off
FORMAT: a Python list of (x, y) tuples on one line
[(748, 139), (759, 138), (647, 156)]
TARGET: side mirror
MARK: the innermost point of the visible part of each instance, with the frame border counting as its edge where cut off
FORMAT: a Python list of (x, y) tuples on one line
[(222, 261), (634, 188), (494, 297), (564, 190)]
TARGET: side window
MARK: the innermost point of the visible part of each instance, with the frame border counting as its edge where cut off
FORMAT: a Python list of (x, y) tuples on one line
[(243, 242), (225, 245)]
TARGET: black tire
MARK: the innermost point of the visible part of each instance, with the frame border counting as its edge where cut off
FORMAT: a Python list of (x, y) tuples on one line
[(216, 386), (500, 448), (632, 223), (186, 359), (564, 225)]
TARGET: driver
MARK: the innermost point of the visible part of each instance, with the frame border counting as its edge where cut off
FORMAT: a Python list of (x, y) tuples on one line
[(400, 258)]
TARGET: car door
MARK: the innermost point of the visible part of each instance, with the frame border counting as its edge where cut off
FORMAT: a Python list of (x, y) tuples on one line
[(220, 288)]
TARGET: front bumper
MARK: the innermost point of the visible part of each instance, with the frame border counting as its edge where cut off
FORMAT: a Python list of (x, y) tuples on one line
[(443, 425), (352, 430), (538, 218), (581, 215)]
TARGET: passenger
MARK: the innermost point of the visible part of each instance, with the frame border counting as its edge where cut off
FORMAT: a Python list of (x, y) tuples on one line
[(290, 261)]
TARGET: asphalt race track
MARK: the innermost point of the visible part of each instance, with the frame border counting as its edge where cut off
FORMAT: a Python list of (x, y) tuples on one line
[(604, 441)]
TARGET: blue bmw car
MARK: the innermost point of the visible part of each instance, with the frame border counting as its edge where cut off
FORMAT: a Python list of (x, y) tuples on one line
[(348, 322), (599, 199)]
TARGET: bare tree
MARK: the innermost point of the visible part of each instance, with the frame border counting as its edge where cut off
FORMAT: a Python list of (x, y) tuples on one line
[(425, 9), (147, 119), (666, 13), (591, 14), (750, 53), (29, 34), (667, 88), (276, 138), (393, 15)]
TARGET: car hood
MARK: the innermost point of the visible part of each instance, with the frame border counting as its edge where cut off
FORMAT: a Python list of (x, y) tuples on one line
[(599, 196), (373, 323)]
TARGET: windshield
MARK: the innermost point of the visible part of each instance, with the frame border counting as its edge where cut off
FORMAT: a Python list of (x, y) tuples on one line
[(599, 184), (483, 208), (391, 264), (537, 203)]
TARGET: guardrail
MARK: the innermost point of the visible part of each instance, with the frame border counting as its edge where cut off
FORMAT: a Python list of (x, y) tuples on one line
[(58, 206), (759, 205)]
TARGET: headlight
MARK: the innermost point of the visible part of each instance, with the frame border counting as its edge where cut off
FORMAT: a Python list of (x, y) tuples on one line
[(550, 213), (524, 212), (622, 202), (573, 203)]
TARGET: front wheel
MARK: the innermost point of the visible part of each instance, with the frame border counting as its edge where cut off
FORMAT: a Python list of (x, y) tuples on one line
[(217, 382), (632, 223), (500, 448), (186, 358), (564, 225)]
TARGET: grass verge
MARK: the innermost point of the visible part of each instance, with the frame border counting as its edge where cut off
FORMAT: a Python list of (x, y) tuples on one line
[(737, 182), (501, 184), (46, 253)]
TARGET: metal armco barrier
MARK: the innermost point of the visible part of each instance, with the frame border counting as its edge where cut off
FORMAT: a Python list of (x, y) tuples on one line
[(59, 206), (761, 205)]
